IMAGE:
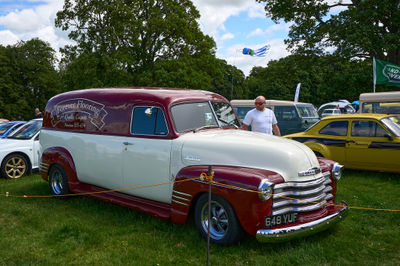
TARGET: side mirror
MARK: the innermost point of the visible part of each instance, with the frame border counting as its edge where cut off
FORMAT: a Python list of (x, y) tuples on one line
[(390, 137), (148, 111)]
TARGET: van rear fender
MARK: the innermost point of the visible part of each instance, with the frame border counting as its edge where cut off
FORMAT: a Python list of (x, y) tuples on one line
[(237, 185), (61, 156)]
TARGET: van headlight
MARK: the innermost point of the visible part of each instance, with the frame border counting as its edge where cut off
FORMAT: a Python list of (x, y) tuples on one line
[(266, 189), (337, 171)]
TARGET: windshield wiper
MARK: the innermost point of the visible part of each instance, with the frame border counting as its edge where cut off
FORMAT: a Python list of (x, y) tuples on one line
[(228, 124), (204, 127)]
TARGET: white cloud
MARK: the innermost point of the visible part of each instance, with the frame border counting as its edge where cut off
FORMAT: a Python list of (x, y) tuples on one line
[(21, 21), (256, 32), (35, 22), (227, 36), (8, 38)]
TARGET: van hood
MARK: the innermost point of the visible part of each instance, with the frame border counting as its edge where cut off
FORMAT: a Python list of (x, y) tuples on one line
[(249, 149)]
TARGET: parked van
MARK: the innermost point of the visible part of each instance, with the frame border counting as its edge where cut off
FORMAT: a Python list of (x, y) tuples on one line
[(380, 102), (156, 150), (292, 116)]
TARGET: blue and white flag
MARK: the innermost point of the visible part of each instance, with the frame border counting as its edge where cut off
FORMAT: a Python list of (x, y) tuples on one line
[(261, 52)]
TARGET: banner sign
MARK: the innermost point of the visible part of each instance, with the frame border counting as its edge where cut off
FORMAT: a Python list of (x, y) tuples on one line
[(75, 113), (386, 73)]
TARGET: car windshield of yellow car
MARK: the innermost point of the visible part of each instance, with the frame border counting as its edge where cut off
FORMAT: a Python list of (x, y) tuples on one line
[(393, 123)]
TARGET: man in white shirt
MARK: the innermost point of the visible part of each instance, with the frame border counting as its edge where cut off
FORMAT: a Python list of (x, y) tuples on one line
[(261, 119)]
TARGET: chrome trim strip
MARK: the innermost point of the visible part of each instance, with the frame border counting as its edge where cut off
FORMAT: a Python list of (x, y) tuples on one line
[(303, 184), (181, 193), (308, 208), (288, 233), (284, 202), (326, 173), (217, 185), (177, 197), (299, 193), (181, 203)]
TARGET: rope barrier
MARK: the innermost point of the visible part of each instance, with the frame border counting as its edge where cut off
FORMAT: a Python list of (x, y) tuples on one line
[(203, 177)]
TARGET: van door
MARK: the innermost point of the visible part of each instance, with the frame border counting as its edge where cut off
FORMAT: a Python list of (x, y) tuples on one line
[(147, 154), (288, 119)]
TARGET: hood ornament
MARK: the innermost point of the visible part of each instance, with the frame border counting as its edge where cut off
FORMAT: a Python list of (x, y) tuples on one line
[(311, 171)]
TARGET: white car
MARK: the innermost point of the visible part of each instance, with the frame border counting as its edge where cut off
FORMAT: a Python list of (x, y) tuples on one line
[(19, 152), (332, 111)]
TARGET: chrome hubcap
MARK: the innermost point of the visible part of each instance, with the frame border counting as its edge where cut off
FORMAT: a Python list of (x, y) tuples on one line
[(56, 182), (219, 220)]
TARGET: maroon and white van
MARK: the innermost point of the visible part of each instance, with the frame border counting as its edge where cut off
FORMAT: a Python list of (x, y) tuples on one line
[(129, 139)]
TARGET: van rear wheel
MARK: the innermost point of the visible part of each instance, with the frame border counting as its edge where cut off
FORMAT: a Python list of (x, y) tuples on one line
[(58, 180)]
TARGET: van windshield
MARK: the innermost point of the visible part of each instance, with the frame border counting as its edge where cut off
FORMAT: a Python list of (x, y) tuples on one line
[(201, 115), (307, 111)]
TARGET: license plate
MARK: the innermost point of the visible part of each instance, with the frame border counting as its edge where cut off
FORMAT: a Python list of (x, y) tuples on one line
[(275, 220)]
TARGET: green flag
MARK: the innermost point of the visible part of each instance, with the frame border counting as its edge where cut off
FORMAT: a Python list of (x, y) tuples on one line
[(386, 73)]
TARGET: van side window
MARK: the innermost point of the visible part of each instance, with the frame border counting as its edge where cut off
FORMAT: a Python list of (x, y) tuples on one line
[(336, 128), (286, 113), (148, 120)]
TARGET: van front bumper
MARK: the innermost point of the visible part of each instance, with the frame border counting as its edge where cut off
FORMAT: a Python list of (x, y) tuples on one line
[(301, 230)]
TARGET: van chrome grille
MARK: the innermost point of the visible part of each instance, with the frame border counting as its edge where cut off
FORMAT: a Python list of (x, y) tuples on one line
[(304, 195)]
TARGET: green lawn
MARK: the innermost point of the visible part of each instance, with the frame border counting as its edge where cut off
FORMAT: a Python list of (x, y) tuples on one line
[(82, 230)]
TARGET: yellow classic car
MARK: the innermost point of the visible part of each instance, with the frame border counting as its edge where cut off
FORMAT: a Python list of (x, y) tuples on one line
[(358, 141)]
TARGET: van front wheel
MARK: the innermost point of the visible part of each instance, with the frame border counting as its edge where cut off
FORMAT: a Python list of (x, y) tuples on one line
[(58, 181), (225, 228)]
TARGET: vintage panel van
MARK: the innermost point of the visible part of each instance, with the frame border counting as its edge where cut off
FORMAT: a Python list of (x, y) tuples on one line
[(116, 144)]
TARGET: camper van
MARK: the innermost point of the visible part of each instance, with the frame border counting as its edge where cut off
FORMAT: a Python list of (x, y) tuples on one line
[(292, 117), (380, 102)]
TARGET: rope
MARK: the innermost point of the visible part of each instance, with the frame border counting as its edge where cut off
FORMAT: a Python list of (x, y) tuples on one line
[(203, 177)]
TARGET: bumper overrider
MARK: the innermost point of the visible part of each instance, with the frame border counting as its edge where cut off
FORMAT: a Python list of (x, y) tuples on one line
[(302, 230)]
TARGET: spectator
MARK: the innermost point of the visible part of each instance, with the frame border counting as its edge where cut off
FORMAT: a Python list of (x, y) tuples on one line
[(37, 114), (261, 119)]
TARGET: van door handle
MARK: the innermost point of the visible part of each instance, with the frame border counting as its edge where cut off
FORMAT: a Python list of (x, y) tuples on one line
[(127, 143)]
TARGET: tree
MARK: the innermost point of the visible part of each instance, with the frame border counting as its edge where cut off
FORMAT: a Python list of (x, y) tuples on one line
[(27, 78), (363, 29), (232, 83), (323, 79), (130, 39)]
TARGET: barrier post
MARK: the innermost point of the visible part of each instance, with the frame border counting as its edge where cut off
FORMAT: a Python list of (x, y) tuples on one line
[(210, 173)]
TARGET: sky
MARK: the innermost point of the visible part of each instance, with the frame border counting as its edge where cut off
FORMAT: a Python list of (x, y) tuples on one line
[(233, 24)]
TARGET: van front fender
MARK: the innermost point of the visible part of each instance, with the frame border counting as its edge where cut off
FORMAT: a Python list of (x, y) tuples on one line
[(237, 185)]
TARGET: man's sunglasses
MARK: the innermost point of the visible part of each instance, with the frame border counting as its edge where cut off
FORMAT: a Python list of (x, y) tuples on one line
[(259, 103)]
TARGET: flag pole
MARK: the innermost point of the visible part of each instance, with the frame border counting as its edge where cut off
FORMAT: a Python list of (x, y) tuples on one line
[(374, 70)]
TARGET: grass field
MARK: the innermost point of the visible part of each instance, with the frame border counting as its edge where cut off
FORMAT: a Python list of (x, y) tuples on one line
[(82, 230)]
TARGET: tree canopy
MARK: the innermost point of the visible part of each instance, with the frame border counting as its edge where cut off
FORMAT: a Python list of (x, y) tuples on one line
[(362, 29), (323, 79), (27, 78), (133, 42)]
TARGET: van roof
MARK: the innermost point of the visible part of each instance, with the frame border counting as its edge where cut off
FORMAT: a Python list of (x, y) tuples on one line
[(166, 96), (269, 102), (380, 96)]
